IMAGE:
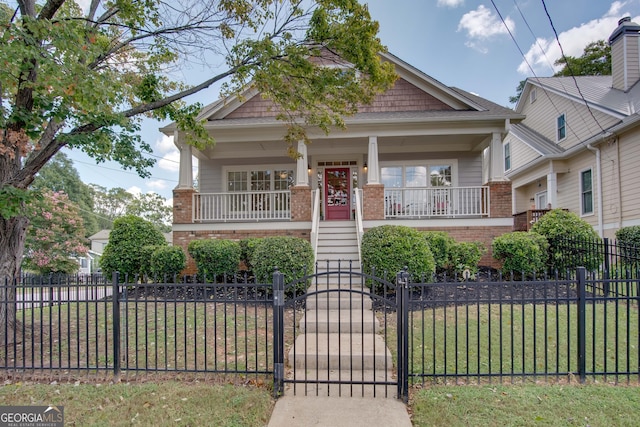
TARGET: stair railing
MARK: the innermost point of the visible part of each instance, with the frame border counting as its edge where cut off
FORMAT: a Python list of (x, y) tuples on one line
[(315, 221), (359, 226)]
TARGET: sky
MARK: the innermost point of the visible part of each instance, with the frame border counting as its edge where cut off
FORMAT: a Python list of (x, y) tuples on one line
[(482, 46)]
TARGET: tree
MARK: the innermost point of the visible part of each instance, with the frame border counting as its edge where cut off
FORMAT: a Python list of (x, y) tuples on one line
[(154, 208), (59, 174), (55, 235), (84, 79), (125, 250), (109, 204), (595, 61)]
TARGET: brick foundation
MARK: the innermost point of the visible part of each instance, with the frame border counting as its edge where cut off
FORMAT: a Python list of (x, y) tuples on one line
[(301, 203), (500, 199)]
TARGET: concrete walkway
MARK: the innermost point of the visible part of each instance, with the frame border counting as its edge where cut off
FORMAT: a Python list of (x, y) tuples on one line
[(338, 340), (298, 411)]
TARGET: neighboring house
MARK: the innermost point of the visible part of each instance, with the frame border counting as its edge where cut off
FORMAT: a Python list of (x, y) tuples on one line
[(579, 146), (422, 154)]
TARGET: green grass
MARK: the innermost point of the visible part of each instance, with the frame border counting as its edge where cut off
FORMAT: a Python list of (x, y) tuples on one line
[(162, 404), (528, 339), (526, 405)]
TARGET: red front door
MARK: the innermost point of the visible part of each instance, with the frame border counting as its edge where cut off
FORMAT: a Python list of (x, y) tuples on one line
[(336, 193)]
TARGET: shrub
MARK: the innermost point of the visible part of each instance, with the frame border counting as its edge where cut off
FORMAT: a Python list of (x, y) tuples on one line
[(146, 253), (441, 245), (247, 247), (168, 261), (629, 242), (466, 256), (215, 257), (124, 251), (292, 255), (521, 252), (389, 248), (558, 225)]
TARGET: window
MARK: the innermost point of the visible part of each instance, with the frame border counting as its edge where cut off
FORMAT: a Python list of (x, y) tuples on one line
[(411, 175), (561, 127), (259, 180), (586, 192), (507, 156), (532, 96)]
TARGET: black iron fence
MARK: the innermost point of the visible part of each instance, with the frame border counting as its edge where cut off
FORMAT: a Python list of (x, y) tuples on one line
[(545, 328)]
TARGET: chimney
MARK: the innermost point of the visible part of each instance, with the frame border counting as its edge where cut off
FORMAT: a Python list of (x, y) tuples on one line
[(625, 54)]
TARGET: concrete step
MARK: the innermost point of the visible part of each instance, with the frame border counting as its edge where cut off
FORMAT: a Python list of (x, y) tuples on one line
[(340, 352), (340, 300), (354, 320), (344, 383)]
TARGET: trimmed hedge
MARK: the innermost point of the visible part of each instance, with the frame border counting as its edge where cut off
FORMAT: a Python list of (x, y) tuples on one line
[(629, 241), (521, 252), (441, 245), (247, 247), (390, 248), (292, 256), (558, 225), (215, 257), (167, 262), (465, 256)]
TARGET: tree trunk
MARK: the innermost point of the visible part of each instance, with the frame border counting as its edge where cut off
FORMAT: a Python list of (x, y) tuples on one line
[(12, 236)]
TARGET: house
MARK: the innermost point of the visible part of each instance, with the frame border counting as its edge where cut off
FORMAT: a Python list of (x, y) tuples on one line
[(579, 145), (423, 154)]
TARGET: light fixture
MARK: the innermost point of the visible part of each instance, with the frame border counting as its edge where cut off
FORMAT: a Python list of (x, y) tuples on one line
[(309, 168), (365, 166)]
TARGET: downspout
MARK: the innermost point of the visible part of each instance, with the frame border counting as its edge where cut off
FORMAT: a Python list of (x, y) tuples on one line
[(599, 181)]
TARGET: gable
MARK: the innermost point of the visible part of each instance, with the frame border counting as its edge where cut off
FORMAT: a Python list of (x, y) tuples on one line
[(402, 97)]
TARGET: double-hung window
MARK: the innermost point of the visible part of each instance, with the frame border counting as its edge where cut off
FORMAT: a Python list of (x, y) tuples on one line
[(507, 156), (561, 127), (586, 192)]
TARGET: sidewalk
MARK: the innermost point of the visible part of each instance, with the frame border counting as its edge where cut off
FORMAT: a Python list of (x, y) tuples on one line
[(299, 411)]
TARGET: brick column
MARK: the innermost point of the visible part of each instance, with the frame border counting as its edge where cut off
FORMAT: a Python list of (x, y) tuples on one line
[(182, 201), (301, 203), (373, 202), (500, 199)]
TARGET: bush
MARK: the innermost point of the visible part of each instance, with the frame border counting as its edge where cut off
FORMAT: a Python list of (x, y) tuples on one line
[(167, 262), (124, 251), (629, 242), (247, 247), (441, 245), (146, 252), (292, 255), (389, 248), (558, 225), (215, 257), (521, 252), (466, 256)]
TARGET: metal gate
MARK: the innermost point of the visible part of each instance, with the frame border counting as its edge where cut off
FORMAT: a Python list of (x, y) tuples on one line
[(338, 332)]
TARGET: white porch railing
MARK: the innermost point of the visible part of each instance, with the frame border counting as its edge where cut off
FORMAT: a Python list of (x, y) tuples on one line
[(315, 223), (447, 202), (359, 226), (242, 206)]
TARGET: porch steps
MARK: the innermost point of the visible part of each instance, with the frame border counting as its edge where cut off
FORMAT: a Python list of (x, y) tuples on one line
[(337, 243), (339, 349)]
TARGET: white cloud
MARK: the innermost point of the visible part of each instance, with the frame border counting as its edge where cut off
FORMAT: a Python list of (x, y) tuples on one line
[(157, 184), (165, 144), (135, 190), (542, 54), (450, 3), (170, 160), (481, 25)]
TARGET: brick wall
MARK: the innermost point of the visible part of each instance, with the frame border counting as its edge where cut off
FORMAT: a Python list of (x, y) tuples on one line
[(301, 203), (182, 201), (500, 199), (182, 239), (373, 202)]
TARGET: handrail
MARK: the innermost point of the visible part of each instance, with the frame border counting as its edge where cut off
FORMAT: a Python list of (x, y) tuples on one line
[(359, 226), (315, 220)]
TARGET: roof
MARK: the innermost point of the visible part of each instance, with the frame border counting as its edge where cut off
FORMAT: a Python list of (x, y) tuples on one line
[(596, 90), (101, 235), (542, 145)]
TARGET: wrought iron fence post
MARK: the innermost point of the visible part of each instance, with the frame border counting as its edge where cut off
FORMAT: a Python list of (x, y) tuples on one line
[(116, 325), (278, 333), (582, 309), (402, 302), (607, 266)]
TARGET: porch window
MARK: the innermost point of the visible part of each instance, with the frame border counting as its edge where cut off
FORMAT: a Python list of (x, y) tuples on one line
[(561, 127), (586, 192)]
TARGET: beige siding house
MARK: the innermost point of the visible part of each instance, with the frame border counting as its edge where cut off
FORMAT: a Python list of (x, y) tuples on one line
[(578, 147), (422, 154)]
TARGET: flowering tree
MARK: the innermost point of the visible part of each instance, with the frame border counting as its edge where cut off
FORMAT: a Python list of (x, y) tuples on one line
[(55, 236)]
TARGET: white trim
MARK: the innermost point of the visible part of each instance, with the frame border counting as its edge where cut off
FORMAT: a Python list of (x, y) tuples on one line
[(442, 223), (243, 226)]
